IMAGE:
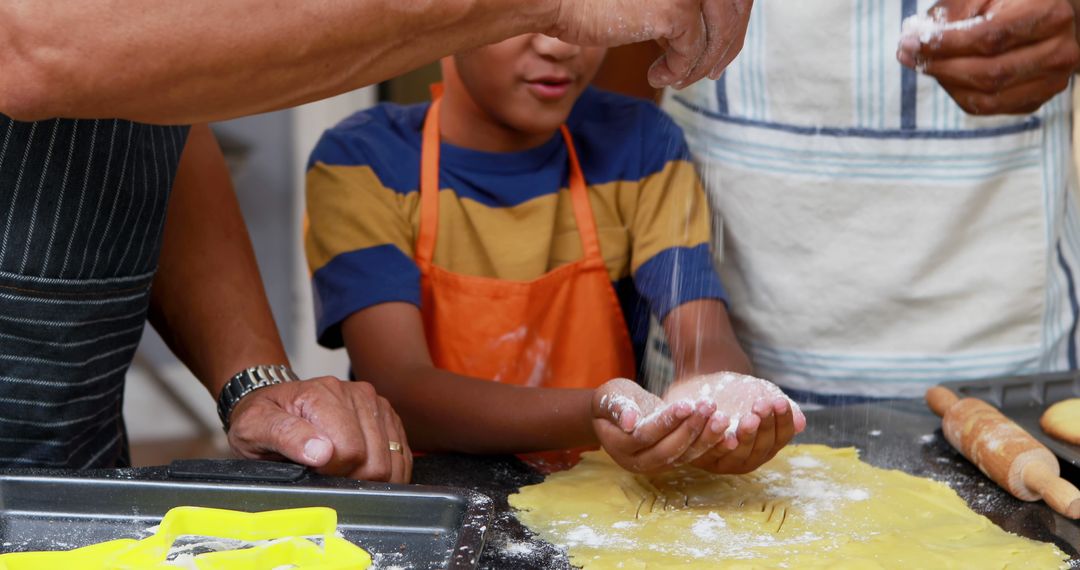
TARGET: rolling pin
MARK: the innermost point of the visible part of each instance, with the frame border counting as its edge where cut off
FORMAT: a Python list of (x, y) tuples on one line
[(1003, 451)]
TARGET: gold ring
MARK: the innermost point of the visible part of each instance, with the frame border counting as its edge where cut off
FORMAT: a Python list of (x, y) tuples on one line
[(395, 446)]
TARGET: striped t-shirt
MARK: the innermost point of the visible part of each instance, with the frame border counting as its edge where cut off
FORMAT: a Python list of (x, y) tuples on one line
[(508, 215), (82, 211), (877, 239)]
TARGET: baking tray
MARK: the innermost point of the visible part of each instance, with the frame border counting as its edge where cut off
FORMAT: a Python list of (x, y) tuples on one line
[(402, 526), (1024, 399)]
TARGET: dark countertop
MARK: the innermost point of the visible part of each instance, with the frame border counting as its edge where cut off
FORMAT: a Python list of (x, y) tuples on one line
[(901, 435)]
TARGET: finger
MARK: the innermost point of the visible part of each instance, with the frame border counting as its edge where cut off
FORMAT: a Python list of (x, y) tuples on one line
[(1021, 99), (765, 438), (406, 451), (1011, 25), (668, 450), (655, 427), (785, 427), (331, 406), (733, 462), (623, 402), (267, 431), (685, 47), (397, 458), (735, 19), (1057, 56), (712, 433), (377, 464)]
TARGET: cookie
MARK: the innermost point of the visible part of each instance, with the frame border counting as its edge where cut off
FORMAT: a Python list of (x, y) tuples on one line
[(1062, 421)]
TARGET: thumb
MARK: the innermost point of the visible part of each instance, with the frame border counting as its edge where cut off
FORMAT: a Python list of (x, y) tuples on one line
[(623, 403), (288, 435)]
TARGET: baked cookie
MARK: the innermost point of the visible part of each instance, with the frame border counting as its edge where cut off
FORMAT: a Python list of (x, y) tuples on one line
[(1062, 421)]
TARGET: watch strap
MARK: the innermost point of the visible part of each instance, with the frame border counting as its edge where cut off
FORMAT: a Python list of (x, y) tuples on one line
[(247, 381)]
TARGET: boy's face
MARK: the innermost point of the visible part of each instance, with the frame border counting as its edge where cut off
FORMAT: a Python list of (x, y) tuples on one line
[(528, 83)]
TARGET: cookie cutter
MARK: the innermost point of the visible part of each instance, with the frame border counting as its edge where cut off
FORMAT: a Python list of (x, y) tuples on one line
[(288, 532)]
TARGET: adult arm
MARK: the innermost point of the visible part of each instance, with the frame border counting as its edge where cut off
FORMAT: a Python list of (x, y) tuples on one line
[(201, 60), (443, 411), (209, 305), (1011, 61)]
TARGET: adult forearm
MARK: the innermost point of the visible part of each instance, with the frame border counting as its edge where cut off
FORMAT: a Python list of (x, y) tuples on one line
[(201, 60), (208, 301), (443, 411)]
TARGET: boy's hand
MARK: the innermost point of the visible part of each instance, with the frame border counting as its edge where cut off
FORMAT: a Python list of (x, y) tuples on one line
[(699, 37), (642, 433), (762, 421), (1013, 59)]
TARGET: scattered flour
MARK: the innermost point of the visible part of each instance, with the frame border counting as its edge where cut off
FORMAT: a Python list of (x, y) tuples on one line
[(929, 28), (927, 438), (708, 527), (805, 462)]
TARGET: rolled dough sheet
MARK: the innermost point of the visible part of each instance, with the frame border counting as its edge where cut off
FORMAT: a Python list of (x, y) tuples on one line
[(810, 507)]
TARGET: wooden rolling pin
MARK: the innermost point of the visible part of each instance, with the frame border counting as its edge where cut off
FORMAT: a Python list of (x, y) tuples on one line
[(1003, 451)]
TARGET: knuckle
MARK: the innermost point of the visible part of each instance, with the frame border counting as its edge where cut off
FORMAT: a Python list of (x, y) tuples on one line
[(994, 78), (994, 42), (283, 427)]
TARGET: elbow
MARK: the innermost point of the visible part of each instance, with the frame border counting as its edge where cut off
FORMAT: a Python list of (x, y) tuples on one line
[(33, 87), (25, 100)]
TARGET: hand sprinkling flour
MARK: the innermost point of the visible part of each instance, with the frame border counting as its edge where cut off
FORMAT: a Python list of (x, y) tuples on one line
[(995, 56)]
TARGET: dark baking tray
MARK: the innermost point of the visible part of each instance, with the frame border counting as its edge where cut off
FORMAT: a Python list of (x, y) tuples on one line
[(402, 526), (1024, 398)]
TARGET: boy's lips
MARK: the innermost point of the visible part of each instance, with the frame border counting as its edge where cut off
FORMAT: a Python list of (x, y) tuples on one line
[(549, 87)]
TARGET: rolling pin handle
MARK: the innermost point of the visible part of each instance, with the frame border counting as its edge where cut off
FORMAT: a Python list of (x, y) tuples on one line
[(1058, 493), (940, 399)]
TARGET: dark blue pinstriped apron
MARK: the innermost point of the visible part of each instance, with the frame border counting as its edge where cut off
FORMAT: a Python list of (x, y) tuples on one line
[(82, 210)]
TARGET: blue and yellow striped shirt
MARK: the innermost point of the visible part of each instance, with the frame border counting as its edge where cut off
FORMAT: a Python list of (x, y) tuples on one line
[(508, 215)]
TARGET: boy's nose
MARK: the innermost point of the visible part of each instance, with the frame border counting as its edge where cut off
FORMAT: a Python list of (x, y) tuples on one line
[(554, 48)]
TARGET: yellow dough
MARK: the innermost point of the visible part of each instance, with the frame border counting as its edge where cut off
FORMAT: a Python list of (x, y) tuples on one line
[(1062, 421), (810, 507)]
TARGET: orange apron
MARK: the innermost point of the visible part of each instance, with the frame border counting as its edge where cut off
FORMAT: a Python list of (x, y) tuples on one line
[(564, 329)]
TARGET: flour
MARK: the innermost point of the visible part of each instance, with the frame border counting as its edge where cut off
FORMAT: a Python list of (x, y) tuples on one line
[(617, 405), (708, 527), (931, 28), (734, 396), (805, 462)]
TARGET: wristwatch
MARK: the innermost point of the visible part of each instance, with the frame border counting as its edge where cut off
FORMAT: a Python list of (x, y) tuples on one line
[(247, 381)]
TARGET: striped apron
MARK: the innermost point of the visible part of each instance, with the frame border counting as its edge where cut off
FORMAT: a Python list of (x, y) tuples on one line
[(82, 211), (876, 239)]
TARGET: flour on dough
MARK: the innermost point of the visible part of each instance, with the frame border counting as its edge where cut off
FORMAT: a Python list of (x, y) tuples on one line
[(811, 507)]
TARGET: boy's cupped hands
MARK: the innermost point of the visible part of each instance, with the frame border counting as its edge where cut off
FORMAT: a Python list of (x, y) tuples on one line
[(724, 423)]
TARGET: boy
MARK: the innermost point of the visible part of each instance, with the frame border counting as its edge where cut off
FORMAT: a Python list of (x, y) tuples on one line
[(478, 258)]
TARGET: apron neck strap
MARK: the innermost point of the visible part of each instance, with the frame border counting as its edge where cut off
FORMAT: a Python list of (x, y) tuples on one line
[(429, 185), (429, 191), (579, 194)]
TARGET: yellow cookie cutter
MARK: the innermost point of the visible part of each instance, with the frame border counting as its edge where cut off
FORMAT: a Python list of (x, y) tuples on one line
[(284, 527)]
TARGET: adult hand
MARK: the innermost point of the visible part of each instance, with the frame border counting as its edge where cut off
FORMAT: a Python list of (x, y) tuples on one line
[(764, 421), (699, 37), (996, 56), (642, 433), (338, 428)]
